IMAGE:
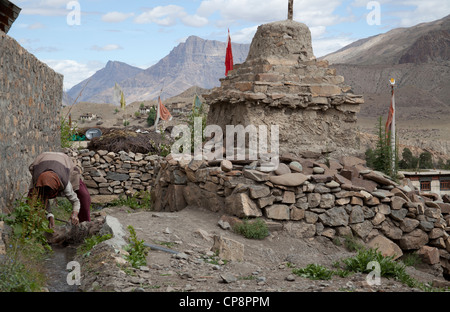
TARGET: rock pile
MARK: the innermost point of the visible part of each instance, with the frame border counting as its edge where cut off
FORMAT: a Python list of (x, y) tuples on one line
[(281, 83), (308, 198)]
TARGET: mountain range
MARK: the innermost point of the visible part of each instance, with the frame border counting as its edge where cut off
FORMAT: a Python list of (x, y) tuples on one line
[(417, 57), (195, 62)]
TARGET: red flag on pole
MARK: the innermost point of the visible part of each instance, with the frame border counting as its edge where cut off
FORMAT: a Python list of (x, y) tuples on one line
[(229, 56)]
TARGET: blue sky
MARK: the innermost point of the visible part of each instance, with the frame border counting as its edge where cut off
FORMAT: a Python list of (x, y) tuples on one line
[(77, 38)]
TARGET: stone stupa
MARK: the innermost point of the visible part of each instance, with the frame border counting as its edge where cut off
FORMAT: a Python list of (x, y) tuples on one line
[(282, 83)]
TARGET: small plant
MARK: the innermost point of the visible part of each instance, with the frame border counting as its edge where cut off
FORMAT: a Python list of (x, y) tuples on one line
[(151, 116), (137, 250), (90, 242), (252, 229), (139, 200), (28, 221), (351, 244), (21, 266), (314, 272), (214, 259), (411, 259), (20, 269), (67, 132), (388, 267), (167, 244)]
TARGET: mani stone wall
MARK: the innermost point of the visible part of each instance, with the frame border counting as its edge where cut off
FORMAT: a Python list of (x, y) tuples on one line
[(282, 83), (30, 100)]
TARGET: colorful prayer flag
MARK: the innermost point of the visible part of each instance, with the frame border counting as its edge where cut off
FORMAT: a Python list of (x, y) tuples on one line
[(390, 115), (197, 103), (229, 56)]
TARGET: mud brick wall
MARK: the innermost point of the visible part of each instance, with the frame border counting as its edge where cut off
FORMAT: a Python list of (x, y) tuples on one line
[(30, 101)]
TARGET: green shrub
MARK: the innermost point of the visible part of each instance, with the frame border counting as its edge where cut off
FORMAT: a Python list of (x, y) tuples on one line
[(314, 272), (151, 116), (28, 221), (388, 267), (137, 250), (67, 132), (90, 242), (21, 270), (139, 200), (411, 259), (252, 229)]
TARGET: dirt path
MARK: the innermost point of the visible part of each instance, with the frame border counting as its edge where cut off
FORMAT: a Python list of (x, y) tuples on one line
[(266, 267)]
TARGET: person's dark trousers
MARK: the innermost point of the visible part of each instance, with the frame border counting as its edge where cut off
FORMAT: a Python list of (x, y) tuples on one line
[(85, 203)]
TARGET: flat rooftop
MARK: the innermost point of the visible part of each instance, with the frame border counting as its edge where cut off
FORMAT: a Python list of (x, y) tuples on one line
[(426, 172)]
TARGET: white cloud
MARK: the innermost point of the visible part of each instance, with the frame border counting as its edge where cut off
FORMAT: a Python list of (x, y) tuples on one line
[(168, 16), (43, 7), (194, 20), (324, 46), (161, 15), (310, 12), (424, 11), (73, 71), (116, 17), (244, 35), (108, 47), (409, 12)]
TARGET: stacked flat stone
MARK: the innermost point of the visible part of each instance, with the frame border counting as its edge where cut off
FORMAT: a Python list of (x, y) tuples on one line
[(308, 198), (282, 83), (30, 100), (108, 175)]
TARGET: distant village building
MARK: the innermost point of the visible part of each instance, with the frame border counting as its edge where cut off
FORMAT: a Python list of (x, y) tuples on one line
[(433, 181), (145, 110), (88, 117), (177, 107)]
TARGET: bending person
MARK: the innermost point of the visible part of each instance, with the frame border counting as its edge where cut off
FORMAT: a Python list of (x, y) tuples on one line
[(54, 174)]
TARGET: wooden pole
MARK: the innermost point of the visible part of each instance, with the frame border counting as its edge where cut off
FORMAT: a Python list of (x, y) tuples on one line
[(291, 10)]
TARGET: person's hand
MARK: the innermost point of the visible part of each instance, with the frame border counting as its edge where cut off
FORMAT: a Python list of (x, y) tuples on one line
[(74, 218), (51, 222)]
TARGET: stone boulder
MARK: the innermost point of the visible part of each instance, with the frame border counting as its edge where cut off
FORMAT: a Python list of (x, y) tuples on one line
[(387, 247), (241, 205), (413, 240), (228, 249)]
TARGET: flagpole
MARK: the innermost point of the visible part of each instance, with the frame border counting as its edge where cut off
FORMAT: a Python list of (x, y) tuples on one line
[(157, 116), (158, 111), (393, 125)]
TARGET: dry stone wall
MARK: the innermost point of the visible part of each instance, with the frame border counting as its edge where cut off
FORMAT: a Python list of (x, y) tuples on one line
[(108, 175), (30, 100), (304, 197), (310, 198)]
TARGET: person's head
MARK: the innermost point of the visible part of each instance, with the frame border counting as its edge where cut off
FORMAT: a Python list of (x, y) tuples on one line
[(47, 185)]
